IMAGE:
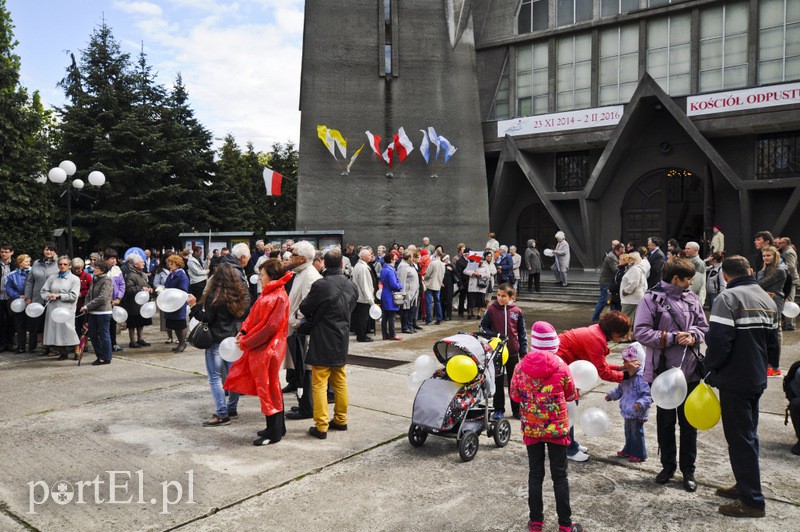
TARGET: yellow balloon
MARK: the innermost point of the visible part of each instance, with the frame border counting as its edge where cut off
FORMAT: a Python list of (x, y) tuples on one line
[(494, 342), (462, 369), (702, 407)]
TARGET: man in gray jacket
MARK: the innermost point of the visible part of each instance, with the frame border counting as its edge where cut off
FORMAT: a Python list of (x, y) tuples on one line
[(434, 276), (366, 298), (789, 257), (607, 272)]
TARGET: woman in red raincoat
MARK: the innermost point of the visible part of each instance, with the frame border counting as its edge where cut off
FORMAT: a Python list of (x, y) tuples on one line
[(263, 340)]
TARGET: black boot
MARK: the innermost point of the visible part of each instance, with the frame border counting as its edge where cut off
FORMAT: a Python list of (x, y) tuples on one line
[(275, 430)]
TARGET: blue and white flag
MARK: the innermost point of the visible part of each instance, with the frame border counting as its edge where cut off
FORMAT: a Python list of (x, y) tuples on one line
[(448, 148), (425, 146), (434, 138)]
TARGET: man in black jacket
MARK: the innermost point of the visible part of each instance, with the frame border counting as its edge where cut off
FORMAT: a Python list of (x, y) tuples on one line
[(461, 264), (328, 306), (742, 337), (656, 259)]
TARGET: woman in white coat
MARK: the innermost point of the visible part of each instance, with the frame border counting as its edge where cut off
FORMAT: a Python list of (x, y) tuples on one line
[(409, 278), (61, 290), (633, 287), (477, 293)]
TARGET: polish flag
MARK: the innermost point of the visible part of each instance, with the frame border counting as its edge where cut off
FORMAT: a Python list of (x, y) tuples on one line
[(474, 256), (388, 155), (272, 181), (374, 143), (402, 144)]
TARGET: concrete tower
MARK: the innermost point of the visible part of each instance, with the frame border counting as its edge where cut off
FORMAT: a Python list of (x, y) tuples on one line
[(379, 65)]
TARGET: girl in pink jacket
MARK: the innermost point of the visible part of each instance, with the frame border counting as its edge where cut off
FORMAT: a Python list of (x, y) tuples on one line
[(543, 385)]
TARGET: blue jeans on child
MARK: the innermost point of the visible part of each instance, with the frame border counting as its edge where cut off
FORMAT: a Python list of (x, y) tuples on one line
[(100, 336), (634, 439), (214, 365)]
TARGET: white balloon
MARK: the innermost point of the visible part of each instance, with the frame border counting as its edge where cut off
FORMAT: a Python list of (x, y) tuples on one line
[(171, 299), (18, 305), (97, 178), (572, 412), (68, 167), (57, 175), (34, 310), (78, 183), (119, 314), (791, 309), (548, 252), (61, 315), (425, 365), (141, 297), (378, 293), (584, 374), (594, 422), (669, 389), (375, 312), (193, 323), (414, 381), (229, 351), (254, 279), (148, 310)]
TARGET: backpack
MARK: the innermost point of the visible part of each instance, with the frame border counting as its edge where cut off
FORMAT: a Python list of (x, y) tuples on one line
[(787, 389)]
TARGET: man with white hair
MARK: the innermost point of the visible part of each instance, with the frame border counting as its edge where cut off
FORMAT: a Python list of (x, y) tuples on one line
[(366, 298), (561, 254), (434, 278), (426, 244), (692, 250), (505, 266), (305, 274), (238, 259)]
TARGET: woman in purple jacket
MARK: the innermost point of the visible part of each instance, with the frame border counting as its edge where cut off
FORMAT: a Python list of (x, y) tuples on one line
[(176, 321), (670, 323)]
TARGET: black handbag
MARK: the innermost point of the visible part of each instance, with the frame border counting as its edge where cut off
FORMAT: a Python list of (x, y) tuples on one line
[(200, 337), (482, 283)]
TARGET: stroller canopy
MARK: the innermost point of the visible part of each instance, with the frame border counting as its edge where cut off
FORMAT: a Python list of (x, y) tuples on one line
[(461, 344)]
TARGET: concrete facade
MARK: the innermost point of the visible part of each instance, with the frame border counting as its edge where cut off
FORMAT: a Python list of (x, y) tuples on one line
[(433, 83)]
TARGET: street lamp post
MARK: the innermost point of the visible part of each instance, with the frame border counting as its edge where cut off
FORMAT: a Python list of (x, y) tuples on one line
[(59, 175)]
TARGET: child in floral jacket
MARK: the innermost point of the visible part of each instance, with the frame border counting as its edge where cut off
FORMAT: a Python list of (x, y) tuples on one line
[(635, 401), (543, 385)]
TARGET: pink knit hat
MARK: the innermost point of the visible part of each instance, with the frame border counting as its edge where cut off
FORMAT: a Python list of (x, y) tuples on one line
[(544, 337)]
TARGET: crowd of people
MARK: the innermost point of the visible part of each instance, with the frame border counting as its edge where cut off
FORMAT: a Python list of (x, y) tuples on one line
[(299, 314)]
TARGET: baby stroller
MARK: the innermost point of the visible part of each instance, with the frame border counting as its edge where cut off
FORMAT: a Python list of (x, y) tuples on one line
[(461, 411)]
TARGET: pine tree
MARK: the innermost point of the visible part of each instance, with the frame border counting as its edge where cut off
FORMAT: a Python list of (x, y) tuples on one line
[(28, 213), (230, 195), (278, 212)]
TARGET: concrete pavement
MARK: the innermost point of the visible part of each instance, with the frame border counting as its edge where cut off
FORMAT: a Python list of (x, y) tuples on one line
[(64, 428)]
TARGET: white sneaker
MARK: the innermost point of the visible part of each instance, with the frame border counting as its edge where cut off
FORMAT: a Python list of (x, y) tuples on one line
[(583, 449), (578, 457)]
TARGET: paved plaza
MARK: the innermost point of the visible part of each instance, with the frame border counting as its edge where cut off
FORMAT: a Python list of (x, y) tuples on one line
[(69, 433)]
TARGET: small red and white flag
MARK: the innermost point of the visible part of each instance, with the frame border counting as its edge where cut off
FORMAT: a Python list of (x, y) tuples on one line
[(374, 143), (474, 256), (388, 155), (272, 181), (402, 144)]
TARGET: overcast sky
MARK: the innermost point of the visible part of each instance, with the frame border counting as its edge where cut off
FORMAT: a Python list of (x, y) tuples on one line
[(240, 60)]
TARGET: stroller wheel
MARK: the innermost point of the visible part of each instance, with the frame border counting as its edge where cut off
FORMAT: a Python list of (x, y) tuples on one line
[(502, 433), (468, 446), (417, 436)]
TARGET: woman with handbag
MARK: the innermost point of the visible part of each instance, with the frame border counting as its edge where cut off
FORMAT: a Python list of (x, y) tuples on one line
[(478, 282), (176, 321), (219, 311), (392, 291), (262, 337)]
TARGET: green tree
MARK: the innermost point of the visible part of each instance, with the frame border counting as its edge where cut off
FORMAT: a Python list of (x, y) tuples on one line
[(27, 217), (278, 212)]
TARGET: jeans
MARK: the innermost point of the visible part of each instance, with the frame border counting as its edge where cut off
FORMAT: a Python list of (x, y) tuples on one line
[(214, 366), (320, 377), (431, 298), (99, 335), (387, 326), (558, 472), (740, 425), (665, 422), (601, 302), (634, 439)]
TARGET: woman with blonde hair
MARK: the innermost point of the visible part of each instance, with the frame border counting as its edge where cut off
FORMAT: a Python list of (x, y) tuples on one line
[(176, 321)]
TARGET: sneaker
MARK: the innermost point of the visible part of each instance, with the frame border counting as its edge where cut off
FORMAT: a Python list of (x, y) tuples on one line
[(535, 526), (116, 349), (740, 509), (583, 448), (574, 527), (216, 421), (497, 416), (623, 454), (578, 457), (728, 493), (636, 460), (773, 372)]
